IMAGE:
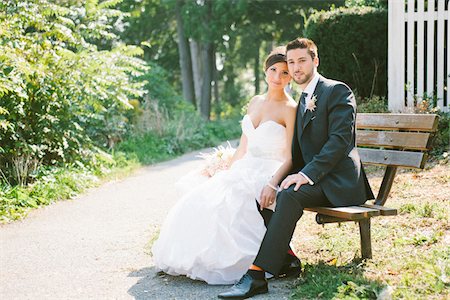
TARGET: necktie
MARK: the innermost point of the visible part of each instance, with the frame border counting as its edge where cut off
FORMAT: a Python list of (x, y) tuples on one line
[(302, 103), (301, 109)]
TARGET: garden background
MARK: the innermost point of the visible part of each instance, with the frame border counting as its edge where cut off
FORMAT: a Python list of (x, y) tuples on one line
[(91, 90)]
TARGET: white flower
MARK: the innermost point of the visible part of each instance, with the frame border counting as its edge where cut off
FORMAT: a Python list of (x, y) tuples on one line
[(217, 160), (311, 103)]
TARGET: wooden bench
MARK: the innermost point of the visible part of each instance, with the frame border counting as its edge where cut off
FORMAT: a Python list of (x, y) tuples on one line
[(392, 141)]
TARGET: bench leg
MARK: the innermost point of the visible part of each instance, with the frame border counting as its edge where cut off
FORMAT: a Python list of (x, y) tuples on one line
[(366, 245)]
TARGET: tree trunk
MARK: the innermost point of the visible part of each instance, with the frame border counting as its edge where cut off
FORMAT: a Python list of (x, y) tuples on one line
[(216, 79), (207, 62), (196, 67), (229, 89), (257, 67), (185, 58), (207, 58)]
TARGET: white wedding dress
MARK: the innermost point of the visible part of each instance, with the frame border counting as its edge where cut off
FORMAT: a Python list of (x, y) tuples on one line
[(214, 231)]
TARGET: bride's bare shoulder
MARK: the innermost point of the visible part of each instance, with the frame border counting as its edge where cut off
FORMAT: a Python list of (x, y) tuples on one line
[(255, 102)]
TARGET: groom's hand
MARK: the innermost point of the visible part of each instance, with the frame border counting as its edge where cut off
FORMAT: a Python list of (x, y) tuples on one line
[(297, 179)]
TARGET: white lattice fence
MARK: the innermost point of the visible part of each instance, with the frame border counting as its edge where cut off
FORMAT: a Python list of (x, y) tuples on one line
[(418, 53)]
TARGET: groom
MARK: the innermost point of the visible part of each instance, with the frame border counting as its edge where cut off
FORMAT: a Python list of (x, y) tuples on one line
[(327, 170)]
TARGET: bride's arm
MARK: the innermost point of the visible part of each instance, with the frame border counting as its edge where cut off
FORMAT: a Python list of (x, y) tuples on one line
[(240, 151), (268, 193)]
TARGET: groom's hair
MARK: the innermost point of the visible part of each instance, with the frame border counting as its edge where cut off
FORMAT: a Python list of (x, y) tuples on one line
[(303, 43)]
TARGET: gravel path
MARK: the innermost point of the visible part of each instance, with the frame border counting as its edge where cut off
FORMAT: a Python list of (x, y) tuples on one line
[(96, 246)]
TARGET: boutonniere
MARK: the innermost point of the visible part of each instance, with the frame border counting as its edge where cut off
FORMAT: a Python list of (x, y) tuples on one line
[(311, 103)]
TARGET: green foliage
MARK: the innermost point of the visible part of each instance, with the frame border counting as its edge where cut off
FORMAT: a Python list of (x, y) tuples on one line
[(375, 104), (441, 140), (233, 27), (352, 46), (159, 136), (374, 3), (59, 94), (158, 87), (59, 183), (151, 25), (323, 281), (425, 276)]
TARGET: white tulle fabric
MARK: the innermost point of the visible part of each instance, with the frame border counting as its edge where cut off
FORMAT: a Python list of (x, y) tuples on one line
[(214, 231)]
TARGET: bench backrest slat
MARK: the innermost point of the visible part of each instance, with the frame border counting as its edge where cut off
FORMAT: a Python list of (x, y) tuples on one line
[(393, 139), (392, 158), (418, 122)]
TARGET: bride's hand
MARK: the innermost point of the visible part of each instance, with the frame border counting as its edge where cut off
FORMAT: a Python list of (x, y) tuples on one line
[(267, 197)]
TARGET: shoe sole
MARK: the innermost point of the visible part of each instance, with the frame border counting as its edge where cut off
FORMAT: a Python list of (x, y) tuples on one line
[(263, 290), (287, 275)]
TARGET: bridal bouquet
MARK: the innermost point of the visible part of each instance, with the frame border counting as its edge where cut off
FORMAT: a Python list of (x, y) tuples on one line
[(217, 160)]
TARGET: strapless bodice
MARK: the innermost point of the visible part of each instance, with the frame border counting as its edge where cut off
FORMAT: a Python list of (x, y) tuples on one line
[(268, 140)]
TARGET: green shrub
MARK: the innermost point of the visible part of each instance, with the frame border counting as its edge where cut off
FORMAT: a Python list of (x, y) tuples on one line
[(375, 104), (441, 139), (374, 3), (352, 46), (441, 142), (159, 135), (158, 87), (59, 94)]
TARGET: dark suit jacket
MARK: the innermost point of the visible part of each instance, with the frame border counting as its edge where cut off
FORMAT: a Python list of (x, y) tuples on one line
[(324, 146)]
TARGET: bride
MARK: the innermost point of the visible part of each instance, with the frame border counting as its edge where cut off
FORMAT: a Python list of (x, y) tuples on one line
[(214, 231)]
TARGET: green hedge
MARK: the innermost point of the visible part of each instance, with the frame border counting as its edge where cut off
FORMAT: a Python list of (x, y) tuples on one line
[(352, 46)]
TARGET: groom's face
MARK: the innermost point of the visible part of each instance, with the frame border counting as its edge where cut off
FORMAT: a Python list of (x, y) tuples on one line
[(301, 65)]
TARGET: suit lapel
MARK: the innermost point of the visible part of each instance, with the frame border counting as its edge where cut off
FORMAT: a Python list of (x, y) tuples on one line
[(307, 116)]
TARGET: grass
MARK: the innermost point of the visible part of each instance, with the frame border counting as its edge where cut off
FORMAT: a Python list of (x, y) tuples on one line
[(411, 251)]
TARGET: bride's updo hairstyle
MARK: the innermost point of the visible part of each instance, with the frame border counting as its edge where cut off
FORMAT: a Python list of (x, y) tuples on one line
[(277, 55)]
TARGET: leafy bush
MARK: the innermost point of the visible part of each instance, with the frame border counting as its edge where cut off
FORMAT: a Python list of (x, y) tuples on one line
[(375, 3), (441, 141), (158, 87), (59, 94), (159, 135), (352, 46), (375, 104)]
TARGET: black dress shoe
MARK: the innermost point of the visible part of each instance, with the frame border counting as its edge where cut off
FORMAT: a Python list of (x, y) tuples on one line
[(246, 287), (293, 268)]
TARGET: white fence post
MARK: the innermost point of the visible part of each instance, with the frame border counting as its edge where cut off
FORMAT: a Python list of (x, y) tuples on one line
[(396, 56), (410, 88), (430, 47), (440, 55), (420, 50)]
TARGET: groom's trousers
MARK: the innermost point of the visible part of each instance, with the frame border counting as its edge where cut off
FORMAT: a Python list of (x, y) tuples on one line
[(289, 209)]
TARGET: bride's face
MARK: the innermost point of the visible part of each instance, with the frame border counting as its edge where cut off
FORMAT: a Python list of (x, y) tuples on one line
[(301, 65), (277, 75)]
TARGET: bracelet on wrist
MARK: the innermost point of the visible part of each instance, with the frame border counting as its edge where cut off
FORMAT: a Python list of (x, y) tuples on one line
[(275, 188)]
